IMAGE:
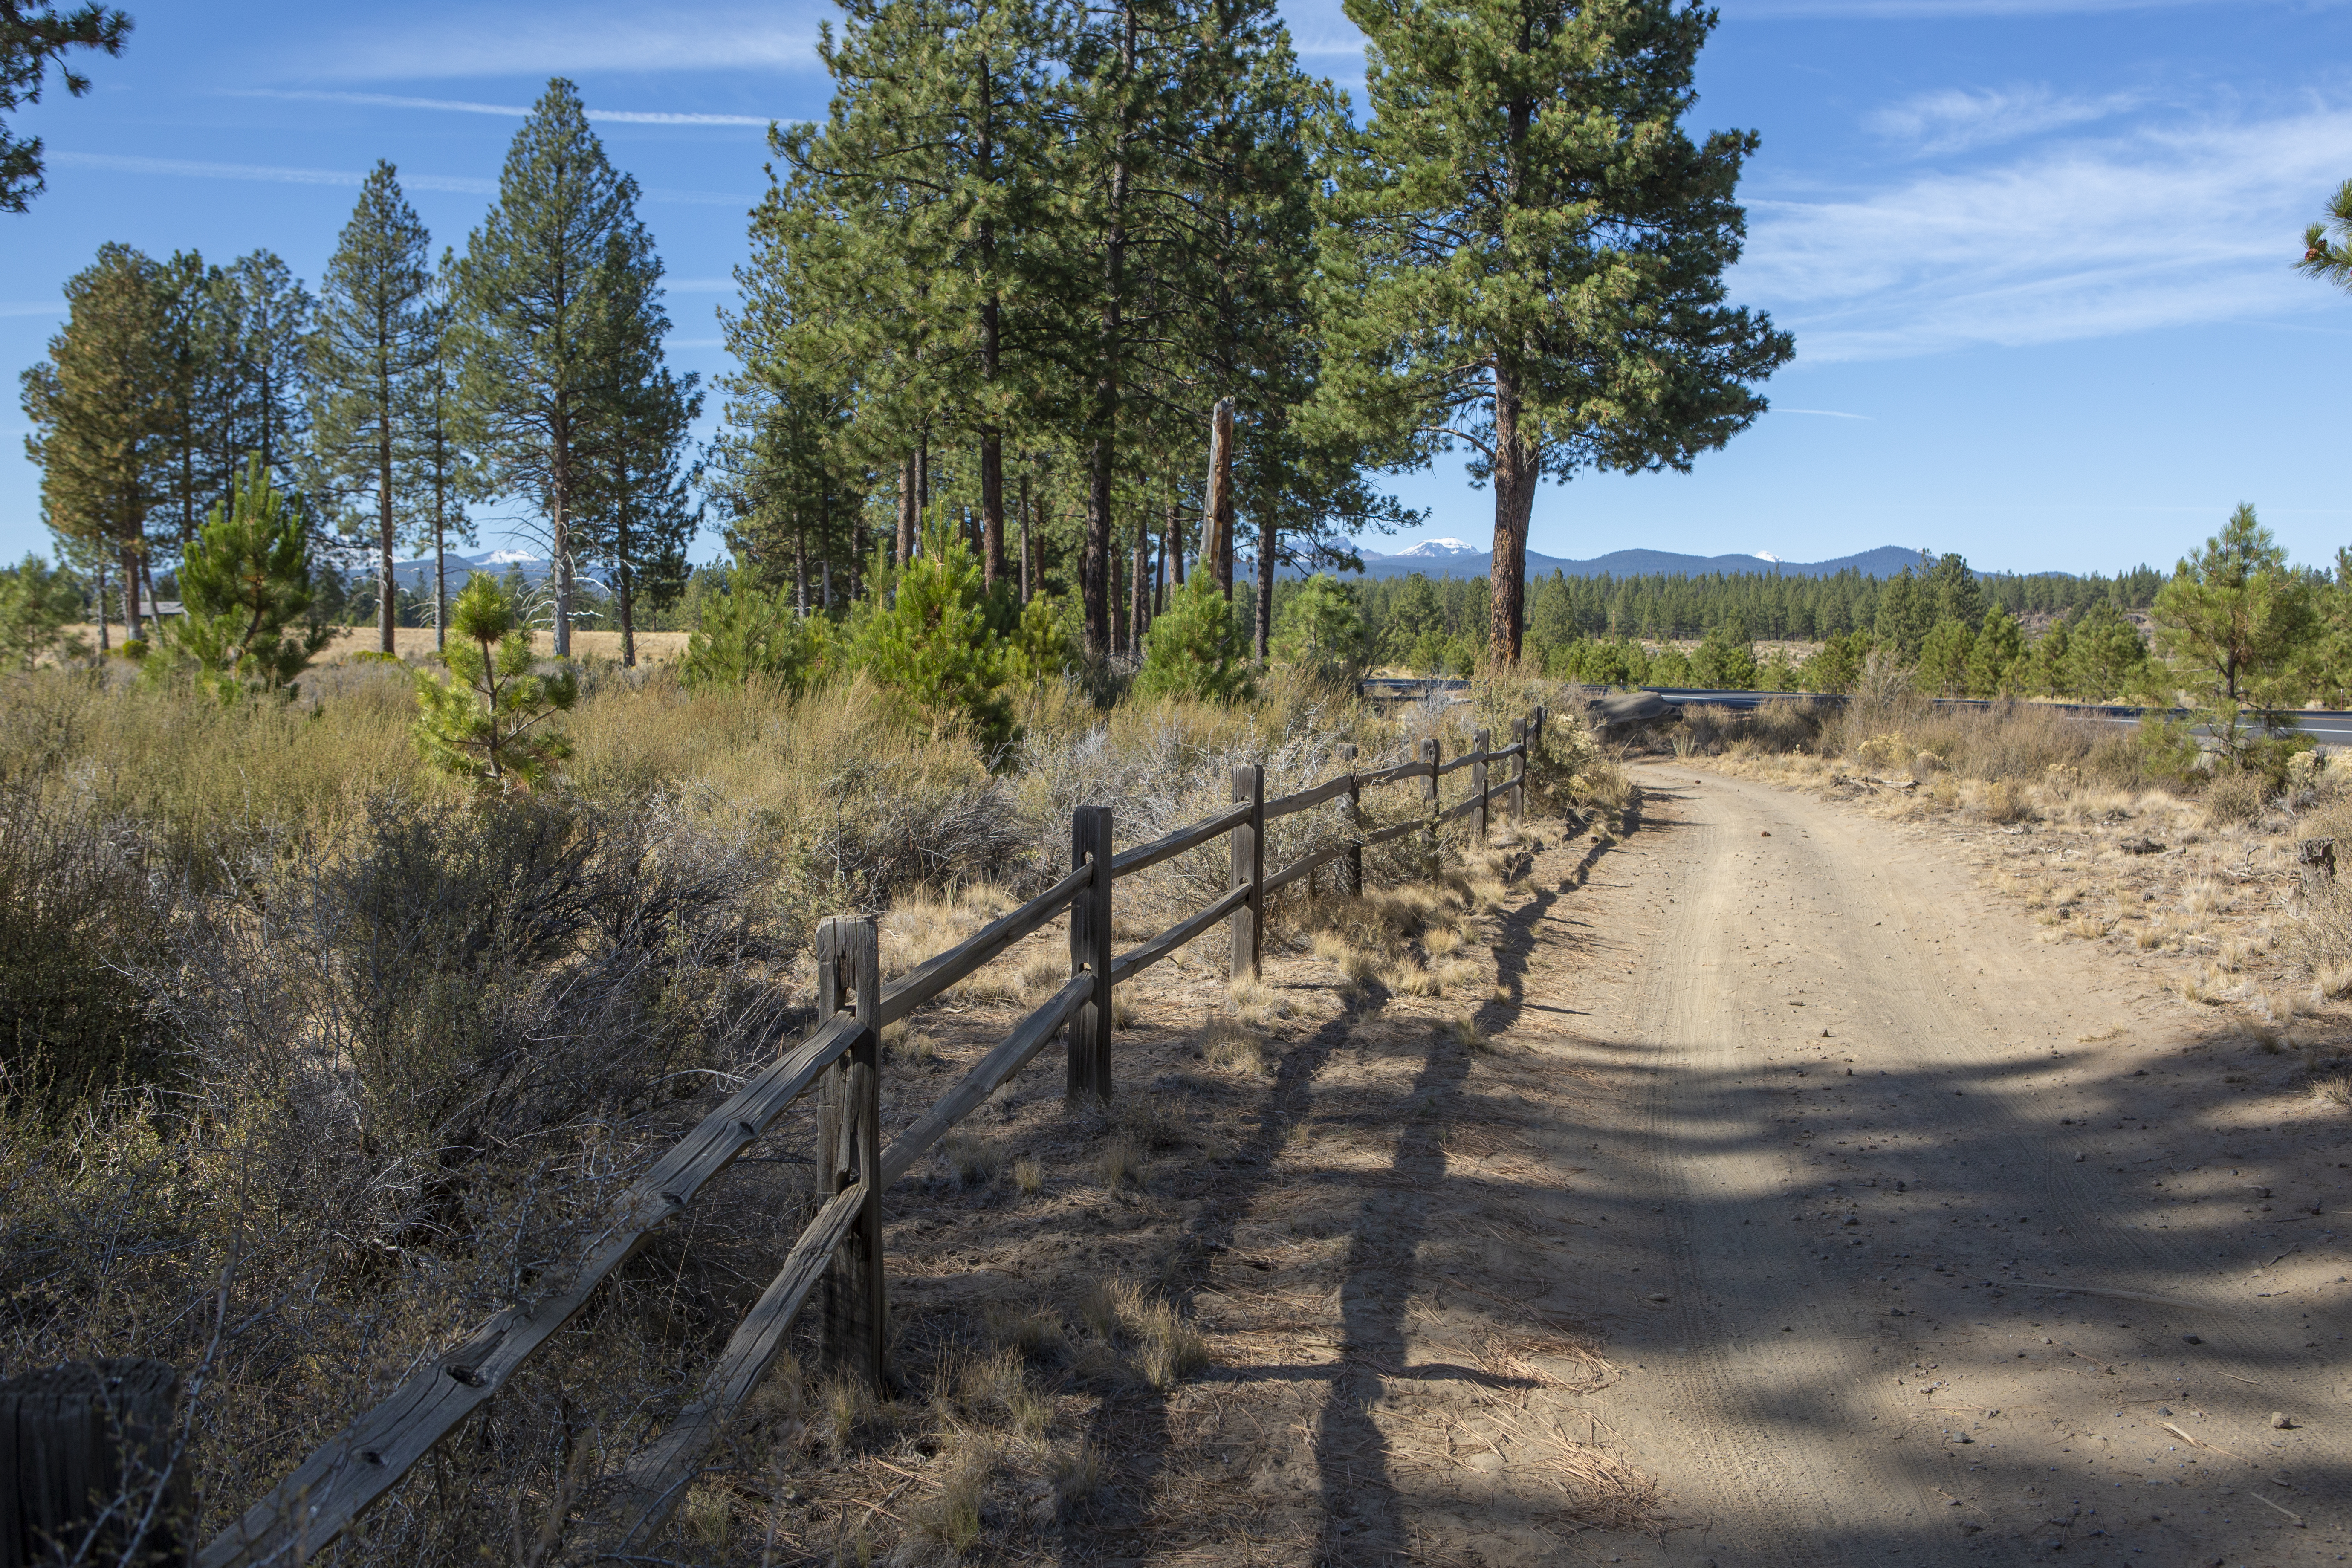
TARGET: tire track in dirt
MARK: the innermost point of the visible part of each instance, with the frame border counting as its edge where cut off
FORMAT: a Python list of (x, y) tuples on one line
[(1799, 973)]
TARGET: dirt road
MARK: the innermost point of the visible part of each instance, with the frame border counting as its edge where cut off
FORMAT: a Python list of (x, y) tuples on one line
[(1927, 1242)]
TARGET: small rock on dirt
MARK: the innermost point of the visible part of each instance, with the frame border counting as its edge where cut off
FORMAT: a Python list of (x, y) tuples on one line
[(2140, 846), (2282, 1421)]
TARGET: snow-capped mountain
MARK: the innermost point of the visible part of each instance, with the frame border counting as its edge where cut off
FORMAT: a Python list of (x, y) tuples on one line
[(1766, 555), (1436, 549)]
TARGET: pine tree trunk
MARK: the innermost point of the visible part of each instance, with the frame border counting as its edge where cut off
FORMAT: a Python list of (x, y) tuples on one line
[(1519, 468), (1025, 539), (103, 646), (1217, 505), (800, 571), (1268, 538), (922, 486), (1139, 588), (388, 592), (1095, 559), (1095, 564), (1172, 549), (904, 543), (628, 619), (560, 542), (991, 507)]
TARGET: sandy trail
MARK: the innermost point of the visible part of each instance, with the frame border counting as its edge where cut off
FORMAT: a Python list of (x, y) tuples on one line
[(1900, 1268)]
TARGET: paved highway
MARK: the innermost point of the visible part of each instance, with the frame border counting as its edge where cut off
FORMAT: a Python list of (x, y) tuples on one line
[(2328, 727)]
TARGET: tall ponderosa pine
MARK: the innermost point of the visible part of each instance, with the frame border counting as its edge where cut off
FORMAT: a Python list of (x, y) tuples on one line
[(372, 358), (912, 221), (635, 517), (237, 338), (103, 410), (446, 474), (1530, 251), (532, 289)]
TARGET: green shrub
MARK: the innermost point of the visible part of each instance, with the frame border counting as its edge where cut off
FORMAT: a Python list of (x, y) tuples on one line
[(938, 647), (37, 602), (1726, 659), (487, 719), (1196, 649), (245, 583), (1320, 630), (747, 635)]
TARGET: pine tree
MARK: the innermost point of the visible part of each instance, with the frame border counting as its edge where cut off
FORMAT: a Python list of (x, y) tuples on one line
[(2238, 624), (32, 33), (489, 718), (102, 413), (37, 602), (1529, 254), (745, 634), (937, 648), (2326, 258), (531, 311), (244, 587), (635, 516), (1197, 648), (373, 359), (1997, 665), (446, 474)]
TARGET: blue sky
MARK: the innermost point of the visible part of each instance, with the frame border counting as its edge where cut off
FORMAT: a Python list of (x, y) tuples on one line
[(2037, 253)]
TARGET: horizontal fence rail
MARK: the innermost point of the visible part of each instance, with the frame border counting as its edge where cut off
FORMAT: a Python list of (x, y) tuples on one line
[(836, 1260)]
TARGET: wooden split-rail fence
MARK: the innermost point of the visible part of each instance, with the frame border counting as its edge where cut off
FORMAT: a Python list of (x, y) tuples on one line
[(839, 1257)]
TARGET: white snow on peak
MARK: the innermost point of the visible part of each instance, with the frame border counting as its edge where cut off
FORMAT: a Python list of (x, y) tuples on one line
[(506, 557), (1431, 547), (1766, 555)]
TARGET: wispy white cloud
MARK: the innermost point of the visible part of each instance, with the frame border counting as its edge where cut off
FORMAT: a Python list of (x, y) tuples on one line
[(2168, 225), (1958, 119), (504, 110), (32, 308), (1825, 413), (194, 169), (280, 174), (437, 44)]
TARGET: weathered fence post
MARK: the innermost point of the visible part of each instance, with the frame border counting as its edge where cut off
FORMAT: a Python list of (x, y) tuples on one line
[(1355, 824), (1430, 753), (86, 1436), (1520, 771), (1479, 738), (1090, 940), (1249, 871), (854, 1326)]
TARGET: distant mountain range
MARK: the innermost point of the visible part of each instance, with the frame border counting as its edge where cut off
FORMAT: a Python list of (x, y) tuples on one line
[(418, 574), (1431, 557), (1456, 558)]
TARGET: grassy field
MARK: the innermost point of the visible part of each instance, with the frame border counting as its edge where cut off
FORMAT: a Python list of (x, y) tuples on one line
[(417, 643), (319, 1057)]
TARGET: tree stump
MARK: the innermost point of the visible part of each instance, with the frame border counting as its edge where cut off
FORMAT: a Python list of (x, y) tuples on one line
[(89, 1444)]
